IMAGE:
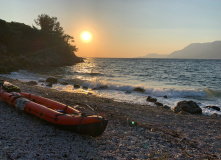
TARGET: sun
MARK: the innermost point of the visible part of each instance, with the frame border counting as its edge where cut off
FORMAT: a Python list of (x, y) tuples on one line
[(86, 36)]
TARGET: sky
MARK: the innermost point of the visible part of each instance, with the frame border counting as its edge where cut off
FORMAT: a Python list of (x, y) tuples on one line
[(125, 28)]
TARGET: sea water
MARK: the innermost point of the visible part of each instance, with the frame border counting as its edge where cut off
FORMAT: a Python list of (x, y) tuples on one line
[(116, 78)]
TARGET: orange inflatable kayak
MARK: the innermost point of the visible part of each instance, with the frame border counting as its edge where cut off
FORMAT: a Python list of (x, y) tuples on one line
[(52, 111)]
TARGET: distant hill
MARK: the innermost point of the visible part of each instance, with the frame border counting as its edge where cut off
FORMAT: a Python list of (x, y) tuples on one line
[(153, 55), (211, 50)]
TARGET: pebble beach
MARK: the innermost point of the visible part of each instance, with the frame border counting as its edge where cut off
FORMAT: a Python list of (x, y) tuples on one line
[(133, 132)]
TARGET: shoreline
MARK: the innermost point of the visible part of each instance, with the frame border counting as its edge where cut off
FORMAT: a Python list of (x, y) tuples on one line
[(168, 97), (157, 133)]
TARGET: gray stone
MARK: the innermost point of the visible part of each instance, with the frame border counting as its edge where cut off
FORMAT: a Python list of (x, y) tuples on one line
[(150, 99), (138, 89), (187, 106), (52, 80)]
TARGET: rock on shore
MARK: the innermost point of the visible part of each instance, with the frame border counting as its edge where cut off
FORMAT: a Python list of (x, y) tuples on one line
[(188, 106)]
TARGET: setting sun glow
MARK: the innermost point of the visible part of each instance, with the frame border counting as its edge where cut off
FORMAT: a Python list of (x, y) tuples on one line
[(86, 36)]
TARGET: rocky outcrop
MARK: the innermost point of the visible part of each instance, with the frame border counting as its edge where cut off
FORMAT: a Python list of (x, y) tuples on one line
[(187, 106), (25, 47)]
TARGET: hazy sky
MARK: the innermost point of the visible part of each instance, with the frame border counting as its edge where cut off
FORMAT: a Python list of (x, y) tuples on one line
[(125, 28)]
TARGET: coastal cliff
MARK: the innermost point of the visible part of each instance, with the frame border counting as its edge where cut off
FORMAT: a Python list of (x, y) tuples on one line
[(24, 47)]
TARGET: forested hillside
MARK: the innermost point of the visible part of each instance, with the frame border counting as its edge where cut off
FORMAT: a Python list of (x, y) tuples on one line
[(23, 46)]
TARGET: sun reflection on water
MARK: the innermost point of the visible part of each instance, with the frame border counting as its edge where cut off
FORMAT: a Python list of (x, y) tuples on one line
[(86, 67)]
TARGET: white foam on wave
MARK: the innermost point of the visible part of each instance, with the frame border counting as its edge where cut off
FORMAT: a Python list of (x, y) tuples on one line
[(157, 91), (209, 112), (138, 98), (22, 75), (175, 93), (117, 91)]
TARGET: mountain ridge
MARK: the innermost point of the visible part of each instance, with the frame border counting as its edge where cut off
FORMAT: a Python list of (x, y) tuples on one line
[(208, 50)]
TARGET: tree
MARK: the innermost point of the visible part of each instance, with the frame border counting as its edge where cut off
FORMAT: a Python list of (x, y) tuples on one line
[(53, 33), (49, 24)]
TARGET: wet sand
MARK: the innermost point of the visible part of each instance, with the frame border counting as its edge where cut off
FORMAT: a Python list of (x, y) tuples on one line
[(157, 132)]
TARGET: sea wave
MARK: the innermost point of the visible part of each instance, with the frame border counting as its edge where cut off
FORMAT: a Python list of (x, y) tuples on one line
[(213, 93), (96, 83), (136, 93), (153, 91)]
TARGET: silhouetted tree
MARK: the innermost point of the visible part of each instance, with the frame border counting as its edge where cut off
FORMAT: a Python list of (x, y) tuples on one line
[(52, 29), (24, 46), (49, 24)]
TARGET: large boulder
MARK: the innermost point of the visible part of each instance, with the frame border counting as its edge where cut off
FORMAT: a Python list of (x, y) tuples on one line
[(187, 106)]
